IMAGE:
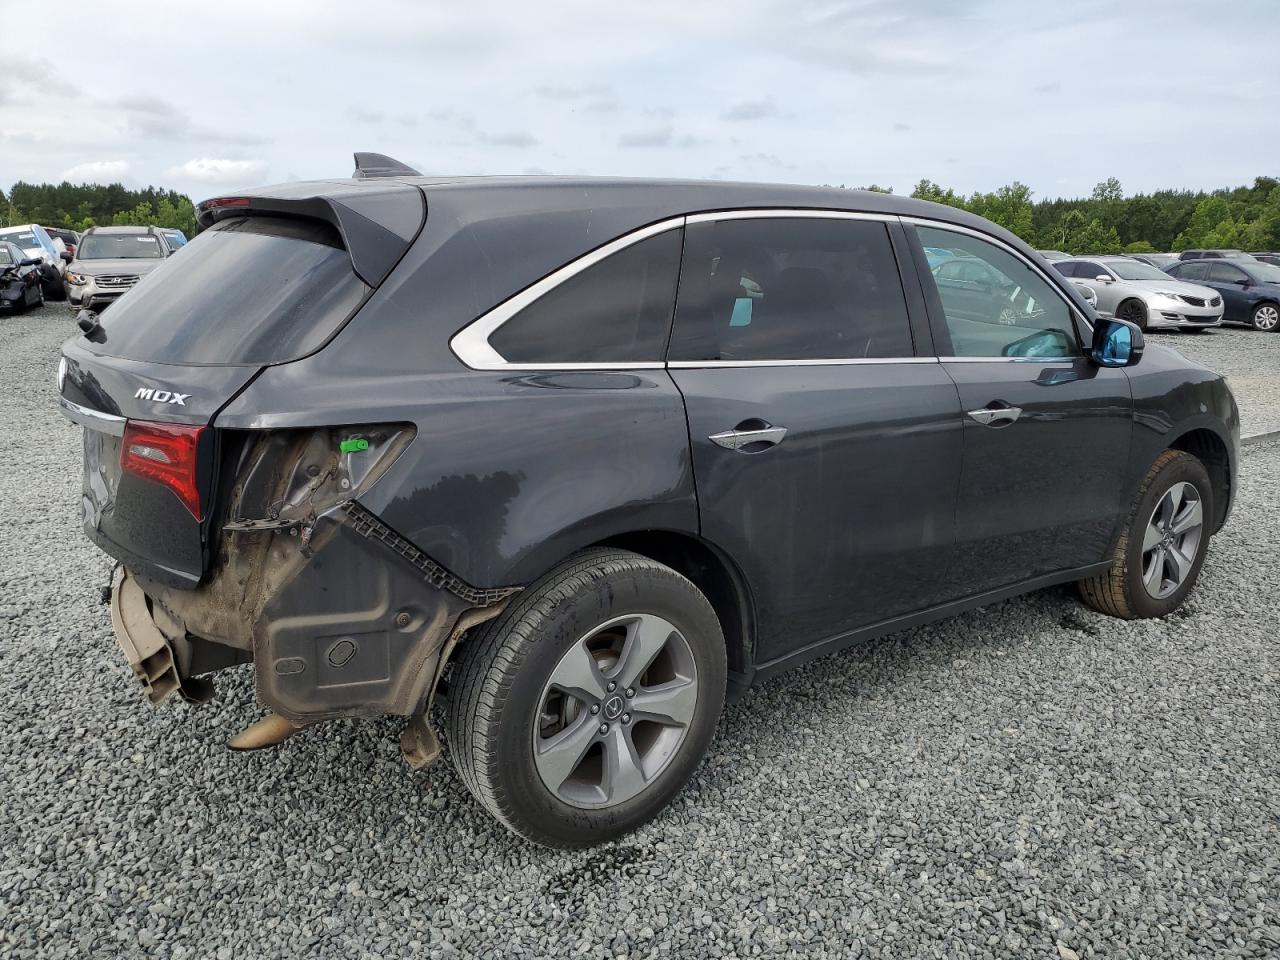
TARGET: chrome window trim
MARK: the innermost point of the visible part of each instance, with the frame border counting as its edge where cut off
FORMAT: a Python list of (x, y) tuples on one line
[(471, 343), (93, 419), (996, 241), (861, 361), (789, 213), (1010, 359)]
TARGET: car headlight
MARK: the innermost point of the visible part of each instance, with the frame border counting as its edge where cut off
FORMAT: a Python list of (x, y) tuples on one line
[(77, 279), (1168, 295)]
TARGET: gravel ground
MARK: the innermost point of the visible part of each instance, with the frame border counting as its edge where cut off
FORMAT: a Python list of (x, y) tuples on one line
[(1248, 359), (1032, 780)]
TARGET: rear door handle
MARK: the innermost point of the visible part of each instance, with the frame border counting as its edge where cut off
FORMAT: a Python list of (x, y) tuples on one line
[(996, 414), (746, 437)]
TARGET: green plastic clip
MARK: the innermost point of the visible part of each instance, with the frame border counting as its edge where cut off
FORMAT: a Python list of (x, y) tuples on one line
[(354, 445)]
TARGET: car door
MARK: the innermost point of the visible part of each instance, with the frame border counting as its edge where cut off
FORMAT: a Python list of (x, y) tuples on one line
[(825, 436), (1088, 272), (1046, 432), (1233, 284)]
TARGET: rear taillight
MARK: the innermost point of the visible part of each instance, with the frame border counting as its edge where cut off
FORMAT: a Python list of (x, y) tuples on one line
[(165, 453)]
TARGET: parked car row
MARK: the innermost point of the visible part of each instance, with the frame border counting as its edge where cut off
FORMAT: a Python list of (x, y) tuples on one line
[(1190, 290), (90, 269)]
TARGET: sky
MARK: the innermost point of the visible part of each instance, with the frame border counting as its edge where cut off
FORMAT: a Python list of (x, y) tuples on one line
[(209, 97)]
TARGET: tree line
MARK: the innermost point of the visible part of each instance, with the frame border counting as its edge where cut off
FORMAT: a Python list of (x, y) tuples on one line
[(1107, 221), (1246, 218), (81, 206)]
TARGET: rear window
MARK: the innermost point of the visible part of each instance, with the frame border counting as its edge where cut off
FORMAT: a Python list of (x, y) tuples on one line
[(250, 290)]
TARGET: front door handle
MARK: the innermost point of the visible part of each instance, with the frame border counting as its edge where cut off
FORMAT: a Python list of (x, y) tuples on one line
[(750, 436), (996, 414)]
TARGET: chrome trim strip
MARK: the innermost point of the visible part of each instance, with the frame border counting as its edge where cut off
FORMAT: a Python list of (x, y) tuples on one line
[(93, 419), (873, 361), (764, 213), (471, 343), (996, 241), (1011, 359)]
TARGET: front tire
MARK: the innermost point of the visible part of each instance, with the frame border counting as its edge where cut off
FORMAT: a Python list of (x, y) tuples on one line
[(578, 713), (1266, 317), (1135, 311), (1163, 545)]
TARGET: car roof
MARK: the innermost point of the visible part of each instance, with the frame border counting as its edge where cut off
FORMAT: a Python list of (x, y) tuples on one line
[(122, 230)]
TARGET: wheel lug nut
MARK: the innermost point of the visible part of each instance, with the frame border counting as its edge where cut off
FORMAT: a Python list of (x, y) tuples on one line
[(631, 691), (626, 718), (595, 708), (612, 686), (604, 728)]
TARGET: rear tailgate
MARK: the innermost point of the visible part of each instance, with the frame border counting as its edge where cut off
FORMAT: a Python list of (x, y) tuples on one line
[(145, 523), (271, 279)]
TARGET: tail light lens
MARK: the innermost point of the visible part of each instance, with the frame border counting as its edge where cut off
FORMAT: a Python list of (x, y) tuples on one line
[(165, 453)]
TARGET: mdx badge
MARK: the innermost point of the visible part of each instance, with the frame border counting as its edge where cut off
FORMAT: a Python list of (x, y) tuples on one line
[(161, 396)]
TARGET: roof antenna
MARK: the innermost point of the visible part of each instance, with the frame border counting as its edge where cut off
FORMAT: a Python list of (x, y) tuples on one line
[(372, 166)]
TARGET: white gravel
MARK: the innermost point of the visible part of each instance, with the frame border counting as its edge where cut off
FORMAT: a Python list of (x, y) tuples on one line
[(1028, 780), (1250, 361)]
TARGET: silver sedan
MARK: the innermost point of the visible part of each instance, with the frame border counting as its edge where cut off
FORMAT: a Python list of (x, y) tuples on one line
[(1138, 292)]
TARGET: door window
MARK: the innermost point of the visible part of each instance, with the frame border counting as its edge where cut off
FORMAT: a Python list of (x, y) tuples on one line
[(1007, 309), (1088, 270), (1222, 272), (1190, 270), (615, 311), (782, 288)]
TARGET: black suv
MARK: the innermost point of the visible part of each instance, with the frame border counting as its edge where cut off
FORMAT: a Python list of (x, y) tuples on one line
[(578, 458)]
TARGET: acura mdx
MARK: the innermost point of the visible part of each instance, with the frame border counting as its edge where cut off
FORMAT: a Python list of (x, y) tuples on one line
[(575, 460)]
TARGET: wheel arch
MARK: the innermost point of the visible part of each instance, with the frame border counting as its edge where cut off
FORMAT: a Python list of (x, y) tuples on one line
[(714, 573), (1210, 449)]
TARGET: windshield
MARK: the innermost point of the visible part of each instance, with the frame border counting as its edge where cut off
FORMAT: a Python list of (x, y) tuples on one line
[(1135, 270), (251, 290), (1266, 272), (117, 246), (23, 238)]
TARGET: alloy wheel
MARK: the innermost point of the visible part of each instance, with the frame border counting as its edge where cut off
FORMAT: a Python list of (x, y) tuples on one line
[(615, 711), (1266, 317), (1172, 540), (1134, 312)]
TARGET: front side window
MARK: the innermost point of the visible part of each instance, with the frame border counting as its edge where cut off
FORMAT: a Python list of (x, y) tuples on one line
[(1011, 311), (790, 288), (615, 311), (1223, 272), (1088, 270)]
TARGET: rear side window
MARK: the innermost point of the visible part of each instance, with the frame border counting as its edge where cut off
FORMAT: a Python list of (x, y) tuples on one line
[(786, 288), (249, 290), (615, 311)]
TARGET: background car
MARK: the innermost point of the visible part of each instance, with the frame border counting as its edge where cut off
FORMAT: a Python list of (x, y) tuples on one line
[(20, 285), (1271, 258), (69, 238), (1052, 255), (110, 260), (175, 238), (1138, 292), (1161, 261), (34, 241), (1214, 255), (1250, 290)]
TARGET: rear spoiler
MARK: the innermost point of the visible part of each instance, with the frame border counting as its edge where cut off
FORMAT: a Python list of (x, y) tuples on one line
[(378, 219)]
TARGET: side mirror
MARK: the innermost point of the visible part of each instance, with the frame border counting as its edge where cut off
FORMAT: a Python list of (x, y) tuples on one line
[(1102, 278), (1244, 282), (30, 262), (1116, 343)]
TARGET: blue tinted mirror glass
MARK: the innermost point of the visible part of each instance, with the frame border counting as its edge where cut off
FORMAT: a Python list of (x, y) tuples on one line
[(1118, 346)]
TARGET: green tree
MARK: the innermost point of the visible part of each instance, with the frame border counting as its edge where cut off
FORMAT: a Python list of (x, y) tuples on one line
[(928, 190), (1009, 206)]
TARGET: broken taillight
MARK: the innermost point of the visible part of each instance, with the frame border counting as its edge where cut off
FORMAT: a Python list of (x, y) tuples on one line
[(165, 453)]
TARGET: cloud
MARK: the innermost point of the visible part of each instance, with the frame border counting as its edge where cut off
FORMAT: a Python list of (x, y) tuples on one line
[(657, 137), (158, 119), (750, 110), (515, 138), (575, 91), (215, 170), (40, 74), (901, 127), (365, 115), (97, 171)]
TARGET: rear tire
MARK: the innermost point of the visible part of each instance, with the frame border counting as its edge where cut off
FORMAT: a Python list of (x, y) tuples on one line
[(1158, 558), (1135, 311), (509, 708), (1266, 317)]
